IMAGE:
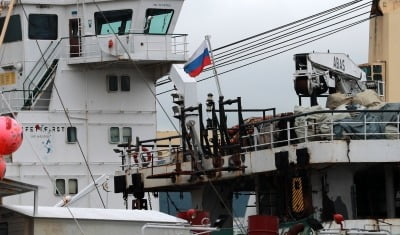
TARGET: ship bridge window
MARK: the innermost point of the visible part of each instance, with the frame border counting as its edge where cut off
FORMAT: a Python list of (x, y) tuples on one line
[(43, 26), (13, 32), (158, 20), (111, 22)]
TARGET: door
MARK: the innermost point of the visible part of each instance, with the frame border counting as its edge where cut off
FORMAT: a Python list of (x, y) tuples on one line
[(75, 49)]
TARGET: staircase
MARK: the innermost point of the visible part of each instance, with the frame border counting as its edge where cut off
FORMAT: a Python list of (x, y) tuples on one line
[(37, 86)]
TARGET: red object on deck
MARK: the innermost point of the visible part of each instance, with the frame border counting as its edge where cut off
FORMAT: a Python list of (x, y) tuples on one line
[(196, 217), (263, 225), (110, 43), (339, 219)]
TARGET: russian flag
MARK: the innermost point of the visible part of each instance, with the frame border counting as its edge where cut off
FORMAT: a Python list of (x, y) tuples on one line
[(198, 61)]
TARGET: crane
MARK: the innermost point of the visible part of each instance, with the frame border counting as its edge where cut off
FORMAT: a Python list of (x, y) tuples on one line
[(318, 74)]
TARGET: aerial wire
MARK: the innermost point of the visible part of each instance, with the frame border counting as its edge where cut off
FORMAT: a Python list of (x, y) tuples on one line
[(247, 48), (252, 55), (280, 52), (289, 24)]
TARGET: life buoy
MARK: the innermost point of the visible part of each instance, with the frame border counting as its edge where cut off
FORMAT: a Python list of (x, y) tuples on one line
[(148, 154), (205, 221)]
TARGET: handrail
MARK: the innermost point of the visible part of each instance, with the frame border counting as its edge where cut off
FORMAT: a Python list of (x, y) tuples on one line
[(325, 111), (39, 89), (323, 130), (38, 67), (27, 78), (44, 64), (265, 134)]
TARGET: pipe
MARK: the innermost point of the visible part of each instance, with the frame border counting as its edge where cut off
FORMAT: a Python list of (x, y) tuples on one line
[(83, 192)]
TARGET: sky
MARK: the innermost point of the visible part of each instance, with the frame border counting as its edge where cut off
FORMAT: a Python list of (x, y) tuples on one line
[(268, 83)]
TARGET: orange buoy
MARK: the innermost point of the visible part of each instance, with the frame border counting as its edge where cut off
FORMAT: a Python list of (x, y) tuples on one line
[(10, 135), (3, 167)]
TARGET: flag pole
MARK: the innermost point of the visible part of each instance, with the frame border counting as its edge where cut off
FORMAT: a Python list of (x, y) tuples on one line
[(213, 65)]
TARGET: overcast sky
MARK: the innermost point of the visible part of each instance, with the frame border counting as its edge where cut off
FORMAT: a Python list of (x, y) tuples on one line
[(268, 83)]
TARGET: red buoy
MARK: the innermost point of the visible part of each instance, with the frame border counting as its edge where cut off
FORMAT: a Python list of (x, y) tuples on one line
[(10, 135), (3, 167)]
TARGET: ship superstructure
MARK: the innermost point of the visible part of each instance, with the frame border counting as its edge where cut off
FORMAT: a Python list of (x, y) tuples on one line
[(80, 78)]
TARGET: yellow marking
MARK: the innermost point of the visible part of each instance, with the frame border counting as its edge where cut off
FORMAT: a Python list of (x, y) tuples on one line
[(7, 78), (297, 195)]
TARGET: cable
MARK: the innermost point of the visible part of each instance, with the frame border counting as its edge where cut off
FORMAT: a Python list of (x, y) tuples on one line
[(290, 33), (172, 202), (251, 55), (246, 48), (293, 32), (286, 25), (335, 31)]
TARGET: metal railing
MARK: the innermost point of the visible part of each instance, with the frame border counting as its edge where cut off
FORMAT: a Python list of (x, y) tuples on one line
[(323, 125), (143, 46), (35, 76), (16, 101), (327, 126)]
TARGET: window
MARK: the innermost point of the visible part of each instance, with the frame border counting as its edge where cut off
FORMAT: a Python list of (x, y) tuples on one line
[(72, 186), (158, 20), (60, 186), (125, 83), (114, 135), (118, 134), (126, 134), (13, 32), (43, 26), (112, 83), (71, 134), (110, 22)]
